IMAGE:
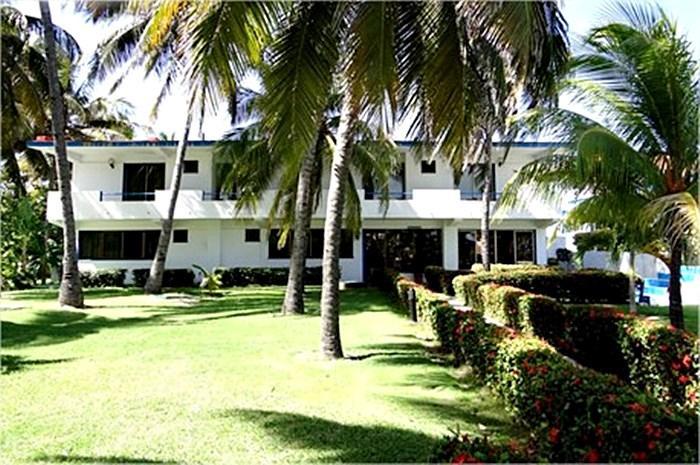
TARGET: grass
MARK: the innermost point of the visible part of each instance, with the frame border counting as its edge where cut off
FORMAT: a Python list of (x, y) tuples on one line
[(189, 378)]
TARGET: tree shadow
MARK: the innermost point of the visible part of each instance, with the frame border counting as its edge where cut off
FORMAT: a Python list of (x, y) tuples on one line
[(63, 458), (13, 363), (399, 353), (340, 443)]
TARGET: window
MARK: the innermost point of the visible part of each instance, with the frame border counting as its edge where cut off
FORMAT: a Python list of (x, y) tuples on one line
[(506, 246), (141, 180), (314, 247), (252, 235), (525, 246), (428, 167), (191, 166), (117, 245), (180, 235)]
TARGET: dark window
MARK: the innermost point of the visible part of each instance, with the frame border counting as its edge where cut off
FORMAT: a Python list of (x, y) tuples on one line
[(191, 166), (141, 180), (428, 166), (466, 249), (315, 246), (505, 246), (346, 243), (180, 235), (525, 246), (252, 235), (117, 245), (273, 251)]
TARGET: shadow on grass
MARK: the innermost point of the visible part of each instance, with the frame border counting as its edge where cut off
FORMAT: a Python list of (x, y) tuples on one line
[(66, 458), (399, 353), (13, 363), (338, 442)]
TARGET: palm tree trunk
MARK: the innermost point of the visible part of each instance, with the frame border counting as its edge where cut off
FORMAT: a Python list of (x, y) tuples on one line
[(330, 292), (486, 210), (632, 284), (13, 172), (154, 283), (294, 297), (675, 304), (70, 292)]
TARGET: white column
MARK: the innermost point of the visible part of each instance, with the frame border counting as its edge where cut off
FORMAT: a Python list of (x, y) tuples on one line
[(541, 246), (214, 243), (450, 248)]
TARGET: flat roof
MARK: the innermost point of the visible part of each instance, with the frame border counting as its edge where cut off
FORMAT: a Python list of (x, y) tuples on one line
[(206, 143)]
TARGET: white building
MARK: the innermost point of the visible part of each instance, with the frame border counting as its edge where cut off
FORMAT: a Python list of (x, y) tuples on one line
[(120, 195)]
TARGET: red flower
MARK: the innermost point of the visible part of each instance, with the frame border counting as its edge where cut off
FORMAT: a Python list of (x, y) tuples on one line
[(663, 348), (671, 328), (675, 366), (577, 382), (464, 458), (687, 361), (544, 370), (638, 408), (683, 379), (610, 398), (538, 405), (651, 445), (639, 456), (553, 435), (592, 456)]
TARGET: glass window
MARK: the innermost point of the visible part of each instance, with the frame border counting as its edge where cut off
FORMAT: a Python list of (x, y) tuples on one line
[(346, 244), (492, 247), (428, 167), (180, 236), (252, 235), (273, 251), (141, 180), (525, 246), (191, 166), (466, 249), (117, 245), (505, 249)]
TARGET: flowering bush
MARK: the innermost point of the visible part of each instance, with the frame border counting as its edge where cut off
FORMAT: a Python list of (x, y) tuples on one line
[(542, 316), (575, 287), (578, 414), (500, 303), (461, 448), (662, 360)]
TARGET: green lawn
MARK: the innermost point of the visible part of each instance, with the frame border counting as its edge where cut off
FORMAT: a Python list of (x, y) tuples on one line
[(187, 378), (690, 314)]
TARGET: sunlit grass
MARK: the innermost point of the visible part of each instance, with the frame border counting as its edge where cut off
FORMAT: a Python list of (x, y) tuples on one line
[(192, 378)]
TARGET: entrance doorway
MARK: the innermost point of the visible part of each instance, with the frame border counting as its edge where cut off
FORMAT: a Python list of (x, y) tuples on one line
[(404, 250)]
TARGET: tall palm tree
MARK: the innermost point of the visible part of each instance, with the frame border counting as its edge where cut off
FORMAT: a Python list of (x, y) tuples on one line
[(70, 292), (209, 46), (254, 168), (637, 163), (392, 53)]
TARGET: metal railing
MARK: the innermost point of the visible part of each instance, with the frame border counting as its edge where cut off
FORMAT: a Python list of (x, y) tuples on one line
[(219, 196), (127, 196), (392, 195), (476, 195)]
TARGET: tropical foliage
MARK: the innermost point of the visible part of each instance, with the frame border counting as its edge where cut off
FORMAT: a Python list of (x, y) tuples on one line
[(635, 167)]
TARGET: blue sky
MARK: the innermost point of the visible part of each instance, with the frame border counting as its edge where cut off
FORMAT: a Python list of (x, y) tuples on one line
[(580, 14)]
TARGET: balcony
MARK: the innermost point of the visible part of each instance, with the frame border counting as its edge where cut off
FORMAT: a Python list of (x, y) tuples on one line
[(440, 204)]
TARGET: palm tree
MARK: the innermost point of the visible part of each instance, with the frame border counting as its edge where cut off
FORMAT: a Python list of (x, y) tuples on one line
[(393, 53), (253, 167), (638, 163), (209, 46), (70, 292)]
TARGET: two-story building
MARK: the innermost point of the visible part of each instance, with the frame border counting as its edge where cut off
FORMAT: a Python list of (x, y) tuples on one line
[(120, 195)]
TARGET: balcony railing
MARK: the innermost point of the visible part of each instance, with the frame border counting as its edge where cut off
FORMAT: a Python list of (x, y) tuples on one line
[(127, 196), (476, 195), (392, 195), (219, 196)]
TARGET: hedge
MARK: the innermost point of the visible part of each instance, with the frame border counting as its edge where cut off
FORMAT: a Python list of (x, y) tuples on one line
[(245, 276), (176, 277), (103, 278), (649, 355), (479, 268), (582, 286), (438, 279)]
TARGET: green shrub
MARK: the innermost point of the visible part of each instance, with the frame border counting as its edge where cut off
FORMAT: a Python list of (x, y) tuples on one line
[(438, 279), (176, 277), (542, 316), (461, 448), (103, 278), (662, 360), (263, 276), (500, 303), (439, 315), (479, 268), (402, 286), (476, 341), (583, 286), (578, 414)]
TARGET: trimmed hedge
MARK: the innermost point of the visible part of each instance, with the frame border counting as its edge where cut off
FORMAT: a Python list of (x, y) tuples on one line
[(438, 279), (583, 286), (462, 448), (651, 356), (103, 278), (479, 268), (176, 277), (245, 276)]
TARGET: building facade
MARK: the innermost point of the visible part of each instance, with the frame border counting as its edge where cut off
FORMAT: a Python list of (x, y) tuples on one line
[(121, 193)]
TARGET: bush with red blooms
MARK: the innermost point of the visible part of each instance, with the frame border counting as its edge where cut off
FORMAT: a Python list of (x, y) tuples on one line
[(462, 448), (578, 414), (500, 303), (582, 286), (662, 360)]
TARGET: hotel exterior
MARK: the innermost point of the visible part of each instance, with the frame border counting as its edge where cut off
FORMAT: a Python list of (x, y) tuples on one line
[(120, 195)]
